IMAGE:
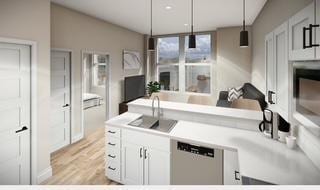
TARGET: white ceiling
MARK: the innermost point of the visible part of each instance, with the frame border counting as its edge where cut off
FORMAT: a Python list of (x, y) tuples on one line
[(135, 14)]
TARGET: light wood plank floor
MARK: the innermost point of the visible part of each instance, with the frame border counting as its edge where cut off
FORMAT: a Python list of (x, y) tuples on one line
[(81, 163)]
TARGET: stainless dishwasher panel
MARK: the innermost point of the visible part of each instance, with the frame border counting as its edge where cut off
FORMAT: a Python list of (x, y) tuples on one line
[(195, 165)]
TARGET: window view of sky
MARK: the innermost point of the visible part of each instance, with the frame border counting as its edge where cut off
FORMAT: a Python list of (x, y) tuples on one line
[(168, 50)]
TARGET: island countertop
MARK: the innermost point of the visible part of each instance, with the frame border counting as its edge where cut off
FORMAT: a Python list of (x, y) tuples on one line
[(259, 157)]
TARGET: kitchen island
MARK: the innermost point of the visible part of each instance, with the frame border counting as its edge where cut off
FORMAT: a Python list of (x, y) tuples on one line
[(258, 157)]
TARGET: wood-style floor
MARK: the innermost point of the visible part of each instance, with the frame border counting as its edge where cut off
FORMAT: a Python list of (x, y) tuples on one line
[(81, 163)]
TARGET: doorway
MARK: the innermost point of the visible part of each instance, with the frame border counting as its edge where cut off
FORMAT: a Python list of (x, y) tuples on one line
[(60, 99), (15, 114), (95, 91)]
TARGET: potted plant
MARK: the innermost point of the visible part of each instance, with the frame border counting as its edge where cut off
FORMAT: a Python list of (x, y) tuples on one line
[(153, 86)]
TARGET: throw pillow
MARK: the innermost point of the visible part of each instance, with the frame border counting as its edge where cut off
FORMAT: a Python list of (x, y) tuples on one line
[(234, 93)]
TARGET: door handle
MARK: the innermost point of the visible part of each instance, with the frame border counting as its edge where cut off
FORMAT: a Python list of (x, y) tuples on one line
[(140, 152), (270, 97), (111, 156), (111, 168), (236, 175), (23, 129), (109, 143), (311, 35), (145, 153), (67, 105), (305, 29)]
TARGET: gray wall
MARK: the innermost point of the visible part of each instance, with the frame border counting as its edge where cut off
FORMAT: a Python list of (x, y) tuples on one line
[(77, 31), (233, 62), (30, 20), (274, 13)]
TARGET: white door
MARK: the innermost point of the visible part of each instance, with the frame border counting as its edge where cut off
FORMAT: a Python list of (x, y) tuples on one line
[(282, 68), (270, 66), (132, 164), (14, 114), (296, 34), (156, 167), (60, 99)]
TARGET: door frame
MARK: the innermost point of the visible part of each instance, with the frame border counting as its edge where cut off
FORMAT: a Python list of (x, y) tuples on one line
[(70, 51), (33, 101), (107, 90)]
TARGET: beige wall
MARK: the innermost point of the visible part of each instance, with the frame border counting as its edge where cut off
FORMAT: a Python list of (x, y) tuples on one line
[(77, 31), (233, 62), (274, 13), (30, 20)]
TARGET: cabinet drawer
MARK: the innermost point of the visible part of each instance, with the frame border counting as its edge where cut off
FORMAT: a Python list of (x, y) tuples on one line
[(113, 132), (113, 171), (112, 143), (112, 154), (147, 140)]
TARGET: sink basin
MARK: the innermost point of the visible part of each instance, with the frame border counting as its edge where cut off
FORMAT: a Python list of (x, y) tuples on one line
[(148, 122)]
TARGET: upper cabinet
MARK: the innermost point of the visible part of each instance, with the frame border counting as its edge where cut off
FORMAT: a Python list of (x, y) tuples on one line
[(304, 34), (277, 70)]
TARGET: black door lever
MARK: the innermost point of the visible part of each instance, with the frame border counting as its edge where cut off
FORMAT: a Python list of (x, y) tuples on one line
[(65, 105), (23, 129)]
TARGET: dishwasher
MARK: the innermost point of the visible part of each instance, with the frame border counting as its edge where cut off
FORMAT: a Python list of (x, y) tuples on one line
[(195, 165)]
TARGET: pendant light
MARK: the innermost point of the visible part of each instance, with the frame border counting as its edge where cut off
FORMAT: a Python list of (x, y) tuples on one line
[(151, 44), (244, 36), (192, 37)]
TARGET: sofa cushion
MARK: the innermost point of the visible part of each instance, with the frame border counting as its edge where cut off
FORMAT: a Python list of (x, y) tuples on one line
[(235, 93)]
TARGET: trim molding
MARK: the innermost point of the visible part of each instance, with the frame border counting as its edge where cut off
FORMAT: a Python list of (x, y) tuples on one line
[(77, 138), (45, 174)]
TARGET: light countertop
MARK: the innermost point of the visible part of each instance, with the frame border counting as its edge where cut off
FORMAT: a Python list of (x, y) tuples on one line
[(194, 108), (259, 157)]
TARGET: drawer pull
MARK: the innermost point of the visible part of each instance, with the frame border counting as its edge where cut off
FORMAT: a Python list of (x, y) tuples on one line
[(109, 155), (110, 168), (236, 175), (112, 132), (109, 143)]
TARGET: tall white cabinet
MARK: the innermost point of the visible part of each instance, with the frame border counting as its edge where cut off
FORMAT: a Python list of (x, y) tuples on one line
[(304, 33), (277, 70)]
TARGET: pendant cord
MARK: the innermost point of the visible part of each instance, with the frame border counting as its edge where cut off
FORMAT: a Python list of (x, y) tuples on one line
[(151, 19), (192, 17), (244, 15)]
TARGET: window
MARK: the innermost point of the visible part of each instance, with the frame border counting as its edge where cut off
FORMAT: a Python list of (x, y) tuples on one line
[(168, 63), (99, 70), (195, 64)]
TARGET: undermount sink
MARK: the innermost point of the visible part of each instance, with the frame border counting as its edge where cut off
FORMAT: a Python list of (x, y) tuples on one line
[(148, 122)]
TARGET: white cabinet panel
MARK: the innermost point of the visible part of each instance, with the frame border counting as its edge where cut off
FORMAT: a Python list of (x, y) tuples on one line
[(270, 67), (302, 19), (157, 167), (231, 168), (282, 69), (317, 2), (132, 164)]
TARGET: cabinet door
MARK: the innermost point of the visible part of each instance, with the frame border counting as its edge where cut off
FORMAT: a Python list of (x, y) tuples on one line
[(270, 66), (231, 168), (282, 68), (132, 164), (296, 37), (157, 167)]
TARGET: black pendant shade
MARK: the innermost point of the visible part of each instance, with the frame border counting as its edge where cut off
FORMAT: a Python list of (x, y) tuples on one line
[(244, 35), (151, 44), (192, 41), (244, 38), (192, 37)]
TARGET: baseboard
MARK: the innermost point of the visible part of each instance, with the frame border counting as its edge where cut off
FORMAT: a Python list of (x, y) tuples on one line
[(77, 138), (44, 175)]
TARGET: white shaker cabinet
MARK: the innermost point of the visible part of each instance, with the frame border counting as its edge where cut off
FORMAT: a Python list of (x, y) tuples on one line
[(277, 70), (231, 168), (302, 34), (132, 164)]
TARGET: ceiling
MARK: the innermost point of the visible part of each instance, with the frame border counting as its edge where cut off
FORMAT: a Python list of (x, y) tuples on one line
[(135, 14)]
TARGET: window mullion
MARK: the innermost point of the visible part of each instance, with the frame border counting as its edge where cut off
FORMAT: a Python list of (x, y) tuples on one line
[(182, 73)]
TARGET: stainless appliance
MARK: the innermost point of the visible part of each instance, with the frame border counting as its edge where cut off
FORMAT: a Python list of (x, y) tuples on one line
[(269, 125), (195, 165)]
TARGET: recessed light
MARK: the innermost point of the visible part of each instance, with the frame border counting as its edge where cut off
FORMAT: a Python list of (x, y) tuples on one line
[(186, 24), (168, 7)]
